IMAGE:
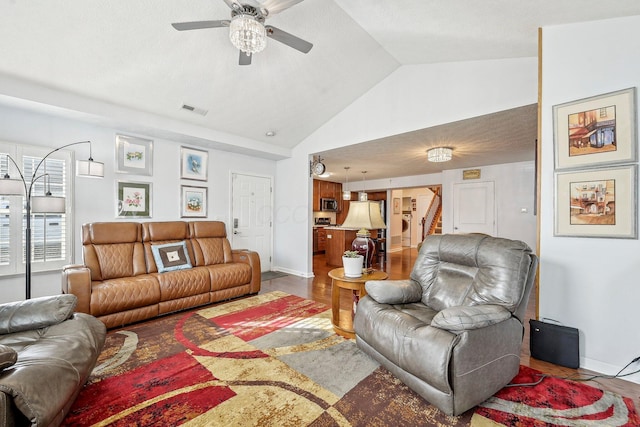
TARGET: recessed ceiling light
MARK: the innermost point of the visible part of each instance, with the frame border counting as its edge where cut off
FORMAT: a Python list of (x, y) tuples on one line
[(270, 133)]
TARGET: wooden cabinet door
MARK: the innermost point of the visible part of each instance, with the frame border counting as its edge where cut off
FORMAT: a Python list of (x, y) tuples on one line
[(322, 239), (316, 195)]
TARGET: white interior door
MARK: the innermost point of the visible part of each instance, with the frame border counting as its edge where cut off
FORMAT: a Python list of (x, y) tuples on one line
[(474, 208), (251, 215)]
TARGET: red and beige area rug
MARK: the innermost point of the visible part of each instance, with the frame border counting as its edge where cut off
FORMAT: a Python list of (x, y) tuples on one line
[(273, 360)]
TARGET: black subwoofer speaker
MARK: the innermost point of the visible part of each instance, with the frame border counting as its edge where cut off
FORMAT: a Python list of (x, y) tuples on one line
[(554, 343)]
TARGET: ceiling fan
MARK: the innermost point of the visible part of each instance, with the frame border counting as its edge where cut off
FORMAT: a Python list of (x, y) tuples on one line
[(247, 31)]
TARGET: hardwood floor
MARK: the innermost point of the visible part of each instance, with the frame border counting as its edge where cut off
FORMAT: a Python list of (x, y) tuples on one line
[(398, 265)]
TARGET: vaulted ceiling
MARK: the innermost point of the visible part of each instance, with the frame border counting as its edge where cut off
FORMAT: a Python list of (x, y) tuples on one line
[(125, 53)]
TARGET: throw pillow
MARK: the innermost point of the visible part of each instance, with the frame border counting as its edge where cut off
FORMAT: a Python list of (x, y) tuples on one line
[(8, 357), (171, 256)]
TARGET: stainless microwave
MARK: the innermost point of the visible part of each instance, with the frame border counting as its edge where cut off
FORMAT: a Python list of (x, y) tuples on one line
[(328, 205)]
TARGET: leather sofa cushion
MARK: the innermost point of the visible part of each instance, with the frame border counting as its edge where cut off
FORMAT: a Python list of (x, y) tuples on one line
[(103, 233), (36, 313), (465, 318), (112, 296), (8, 357), (52, 364), (225, 276), (403, 335), (462, 269), (402, 291)]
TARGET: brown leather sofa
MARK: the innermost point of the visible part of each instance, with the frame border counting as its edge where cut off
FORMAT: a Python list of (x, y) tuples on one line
[(46, 355), (120, 282)]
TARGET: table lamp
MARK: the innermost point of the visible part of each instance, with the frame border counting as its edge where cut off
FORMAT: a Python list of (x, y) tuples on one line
[(364, 216)]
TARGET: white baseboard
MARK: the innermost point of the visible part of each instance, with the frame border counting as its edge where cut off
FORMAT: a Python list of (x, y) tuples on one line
[(607, 369), (306, 275)]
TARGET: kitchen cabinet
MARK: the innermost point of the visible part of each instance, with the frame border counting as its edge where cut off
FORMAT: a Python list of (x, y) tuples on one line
[(316, 195), (322, 239), (319, 240), (339, 240), (326, 189)]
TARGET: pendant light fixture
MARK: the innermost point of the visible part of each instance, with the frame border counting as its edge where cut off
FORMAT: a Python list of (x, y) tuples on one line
[(362, 195), (346, 194)]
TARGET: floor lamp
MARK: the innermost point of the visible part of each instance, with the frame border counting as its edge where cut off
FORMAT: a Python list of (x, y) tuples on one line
[(364, 216), (45, 203)]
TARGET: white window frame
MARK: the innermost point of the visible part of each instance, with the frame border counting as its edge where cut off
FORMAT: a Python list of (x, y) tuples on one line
[(16, 210)]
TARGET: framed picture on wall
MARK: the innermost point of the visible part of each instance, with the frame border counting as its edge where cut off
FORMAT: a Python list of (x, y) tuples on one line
[(133, 199), (193, 202), (597, 203), (596, 131), (193, 163), (396, 205), (134, 155)]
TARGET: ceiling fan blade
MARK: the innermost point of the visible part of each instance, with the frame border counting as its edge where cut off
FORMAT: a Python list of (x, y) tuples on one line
[(230, 3), (197, 25), (245, 58), (288, 39), (276, 6)]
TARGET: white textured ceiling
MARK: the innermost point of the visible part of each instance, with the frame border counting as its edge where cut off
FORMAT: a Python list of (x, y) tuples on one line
[(502, 137), (126, 54)]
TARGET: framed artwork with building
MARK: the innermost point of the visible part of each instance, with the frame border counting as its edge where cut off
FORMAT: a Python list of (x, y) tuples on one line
[(596, 131), (597, 203)]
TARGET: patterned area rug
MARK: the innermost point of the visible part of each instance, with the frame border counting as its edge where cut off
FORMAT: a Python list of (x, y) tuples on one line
[(273, 360)]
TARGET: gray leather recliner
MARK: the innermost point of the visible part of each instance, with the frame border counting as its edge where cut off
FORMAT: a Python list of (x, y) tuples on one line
[(453, 331)]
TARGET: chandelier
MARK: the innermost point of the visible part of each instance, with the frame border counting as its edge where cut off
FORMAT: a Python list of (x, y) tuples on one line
[(439, 154), (247, 33)]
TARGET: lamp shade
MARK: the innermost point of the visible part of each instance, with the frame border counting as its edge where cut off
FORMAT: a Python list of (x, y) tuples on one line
[(364, 215), (11, 187), (89, 168), (48, 204)]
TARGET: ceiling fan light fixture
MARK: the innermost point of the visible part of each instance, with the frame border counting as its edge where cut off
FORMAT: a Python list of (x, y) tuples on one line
[(439, 154), (247, 33)]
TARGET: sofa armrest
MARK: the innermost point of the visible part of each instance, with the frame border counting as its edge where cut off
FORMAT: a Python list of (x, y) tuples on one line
[(35, 313), (463, 318), (76, 280), (394, 291), (253, 259)]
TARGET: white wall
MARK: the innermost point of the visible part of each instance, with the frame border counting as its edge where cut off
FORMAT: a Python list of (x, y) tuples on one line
[(413, 97), (95, 199), (588, 283), (514, 191)]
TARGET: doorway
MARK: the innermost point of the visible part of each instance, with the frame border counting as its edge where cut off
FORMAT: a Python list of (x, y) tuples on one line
[(251, 213)]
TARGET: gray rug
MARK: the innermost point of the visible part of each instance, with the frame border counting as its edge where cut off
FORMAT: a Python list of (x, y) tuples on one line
[(269, 275)]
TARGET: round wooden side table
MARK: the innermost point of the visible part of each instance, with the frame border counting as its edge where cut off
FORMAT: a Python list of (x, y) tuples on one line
[(356, 285)]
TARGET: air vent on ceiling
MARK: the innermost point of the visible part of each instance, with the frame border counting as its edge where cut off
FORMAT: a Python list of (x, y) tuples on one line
[(196, 110)]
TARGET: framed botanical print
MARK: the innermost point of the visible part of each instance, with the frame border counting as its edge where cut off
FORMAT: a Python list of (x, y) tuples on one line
[(596, 131), (597, 203), (134, 199), (193, 163), (193, 202), (134, 155)]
